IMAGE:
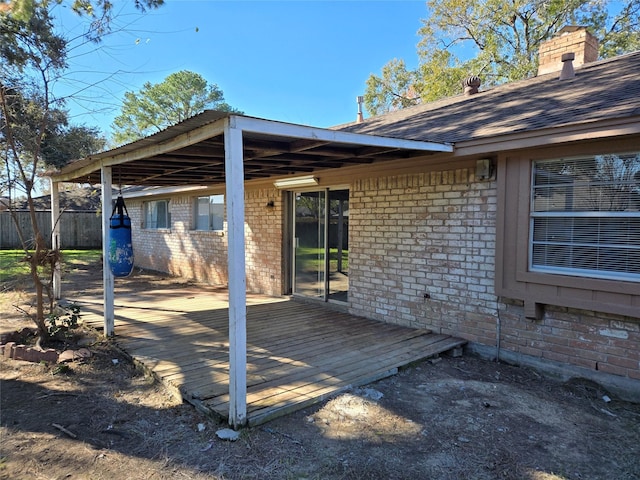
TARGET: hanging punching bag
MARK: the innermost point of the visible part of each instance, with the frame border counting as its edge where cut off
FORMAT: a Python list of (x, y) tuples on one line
[(120, 247)]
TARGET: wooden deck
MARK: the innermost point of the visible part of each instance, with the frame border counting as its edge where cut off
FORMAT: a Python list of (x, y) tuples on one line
[(297, 353)]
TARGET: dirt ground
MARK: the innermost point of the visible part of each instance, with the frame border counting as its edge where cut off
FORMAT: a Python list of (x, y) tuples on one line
[(444, 418)]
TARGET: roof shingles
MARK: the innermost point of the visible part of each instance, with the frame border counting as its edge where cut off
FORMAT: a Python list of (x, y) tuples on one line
[(601, 90)]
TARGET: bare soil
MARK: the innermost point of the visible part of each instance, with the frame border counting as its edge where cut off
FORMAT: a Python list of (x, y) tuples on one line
[(444, 418)]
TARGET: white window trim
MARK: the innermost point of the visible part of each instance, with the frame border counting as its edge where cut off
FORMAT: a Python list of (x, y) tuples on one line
[(145, 210), (211, 227)]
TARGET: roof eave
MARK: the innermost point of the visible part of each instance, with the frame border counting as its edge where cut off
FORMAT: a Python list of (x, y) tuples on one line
[(139, 149), (589, 130)]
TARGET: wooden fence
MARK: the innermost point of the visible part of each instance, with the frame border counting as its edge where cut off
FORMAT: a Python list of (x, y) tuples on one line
[(77, 229)]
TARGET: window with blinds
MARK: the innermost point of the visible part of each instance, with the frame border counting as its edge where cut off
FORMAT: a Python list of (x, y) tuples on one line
[(585, 217), (208, 213), (156, 215)]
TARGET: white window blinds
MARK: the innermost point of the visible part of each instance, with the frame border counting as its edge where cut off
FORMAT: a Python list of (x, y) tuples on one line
[(585, 217)]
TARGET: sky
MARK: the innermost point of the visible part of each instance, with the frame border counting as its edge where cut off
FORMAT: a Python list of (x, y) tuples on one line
[(296, 61)]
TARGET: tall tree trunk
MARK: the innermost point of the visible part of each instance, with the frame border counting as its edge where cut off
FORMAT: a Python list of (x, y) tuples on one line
[(38, 262)]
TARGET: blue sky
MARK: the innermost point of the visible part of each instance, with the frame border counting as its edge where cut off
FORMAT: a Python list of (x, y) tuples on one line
[(294, 61)]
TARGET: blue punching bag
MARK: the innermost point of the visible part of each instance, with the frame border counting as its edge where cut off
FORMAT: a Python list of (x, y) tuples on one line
[(120, 247)]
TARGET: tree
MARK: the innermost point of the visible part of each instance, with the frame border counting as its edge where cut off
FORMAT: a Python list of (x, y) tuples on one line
[(35, 137), (403, 95), (500, 41), (34, 128), (157, 106)]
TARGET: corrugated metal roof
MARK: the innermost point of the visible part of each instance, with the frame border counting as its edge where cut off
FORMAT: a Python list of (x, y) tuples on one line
[(193, 152)]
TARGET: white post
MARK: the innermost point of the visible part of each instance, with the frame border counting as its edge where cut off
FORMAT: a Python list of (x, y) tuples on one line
[(234, 172), (107, 276), (55, 237)]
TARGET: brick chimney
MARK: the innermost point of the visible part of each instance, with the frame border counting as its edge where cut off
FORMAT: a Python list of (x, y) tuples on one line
[(570, 39)]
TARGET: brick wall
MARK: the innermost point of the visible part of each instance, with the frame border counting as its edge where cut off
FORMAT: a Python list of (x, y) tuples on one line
[(202, 255), (263, 234), (430, 234), (434, 234), (598, 342)]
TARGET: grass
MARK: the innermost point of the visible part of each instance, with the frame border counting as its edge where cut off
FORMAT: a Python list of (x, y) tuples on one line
[(310, 258), (12, 265), (81, 257), (17, 288), (13, 268)]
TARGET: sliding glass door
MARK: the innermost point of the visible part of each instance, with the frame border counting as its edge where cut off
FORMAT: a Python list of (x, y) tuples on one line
[(309, 243), (320, 245)]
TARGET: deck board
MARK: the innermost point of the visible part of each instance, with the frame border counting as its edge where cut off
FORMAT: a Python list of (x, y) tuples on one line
[(297, 353)]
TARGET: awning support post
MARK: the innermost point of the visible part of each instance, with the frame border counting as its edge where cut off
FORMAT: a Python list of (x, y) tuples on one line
[(234, 179), (55, 237), (107, 276)]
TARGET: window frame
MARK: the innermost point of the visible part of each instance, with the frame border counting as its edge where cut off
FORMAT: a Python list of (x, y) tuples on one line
[(513, 279), (145, 214), (212, 215), (573, 216)]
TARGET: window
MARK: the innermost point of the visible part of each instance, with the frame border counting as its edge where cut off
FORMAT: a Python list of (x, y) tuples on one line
[(156, 214), (209, 213), (585, 217)]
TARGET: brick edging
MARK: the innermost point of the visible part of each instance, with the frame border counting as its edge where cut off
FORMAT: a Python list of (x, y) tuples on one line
[(15, 351)]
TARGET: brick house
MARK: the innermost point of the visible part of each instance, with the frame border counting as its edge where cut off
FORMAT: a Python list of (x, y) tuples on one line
[(509, 217)]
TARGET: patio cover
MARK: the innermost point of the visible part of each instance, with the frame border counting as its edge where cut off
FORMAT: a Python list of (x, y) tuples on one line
[(225, 148)]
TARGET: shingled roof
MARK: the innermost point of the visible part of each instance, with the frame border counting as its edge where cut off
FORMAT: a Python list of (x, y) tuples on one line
[(82, 200), (602, 90)]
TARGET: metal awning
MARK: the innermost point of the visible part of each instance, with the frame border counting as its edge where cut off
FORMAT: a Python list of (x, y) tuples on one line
[(223, 148), (192, 152)]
